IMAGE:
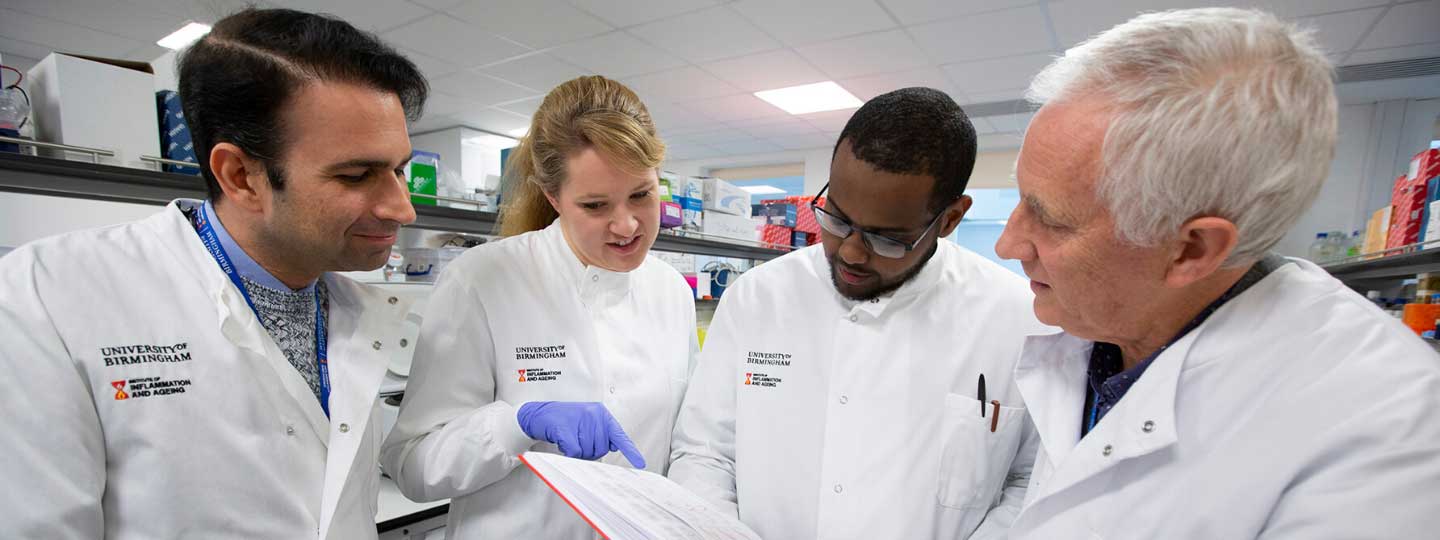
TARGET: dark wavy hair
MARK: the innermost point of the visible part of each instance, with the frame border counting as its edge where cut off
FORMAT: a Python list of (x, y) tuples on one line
[(916, 131)]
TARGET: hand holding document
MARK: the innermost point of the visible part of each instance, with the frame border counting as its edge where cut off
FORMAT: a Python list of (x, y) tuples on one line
[(632, 504)]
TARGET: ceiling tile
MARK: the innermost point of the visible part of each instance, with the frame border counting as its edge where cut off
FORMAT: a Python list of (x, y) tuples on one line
[(493, 120), (991, 97), (865, 55), (990, 35), (829, 121), (60, 36), (439, 5), (687, 83), (536, 23), (1405, 24), (1077, 20), (441, 104), (922, 11), (719, 136), (540, 72), (788, 128), (1340, 32), (632, 12), (999, 141), (429, 65), (677, 152), (706, 35), (144, 25), (616, 55), (996, 75), (755, 146), (31, 51), (1392, 54), (207, 11), (1010, 123), (525, 107), (982, 126), (673, 119), (798, 22), (372, 16), (448, 39), (765, 71), (870, 86), (1304, 8), (736, 107), (804, 142), (479, 88)]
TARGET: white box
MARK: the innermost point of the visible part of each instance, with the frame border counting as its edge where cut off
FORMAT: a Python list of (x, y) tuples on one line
[(98, 103), (1432, 229), (737, 227), (722, 196)]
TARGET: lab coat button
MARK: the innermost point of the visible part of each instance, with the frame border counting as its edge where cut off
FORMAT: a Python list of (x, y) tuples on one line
[(393, 300), (1149, 426), (289, 430), (594, 278), (404, 342), (1108, 450), (376, 345), (854, 318), (612, 389), (344, 428), (844, 400), (839, 488)]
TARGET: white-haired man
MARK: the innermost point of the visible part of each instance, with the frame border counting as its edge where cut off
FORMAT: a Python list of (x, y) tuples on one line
[(1204, 387)]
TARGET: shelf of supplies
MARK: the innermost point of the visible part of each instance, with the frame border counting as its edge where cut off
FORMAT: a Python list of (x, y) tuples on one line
[(1407, 262), (36, 175)]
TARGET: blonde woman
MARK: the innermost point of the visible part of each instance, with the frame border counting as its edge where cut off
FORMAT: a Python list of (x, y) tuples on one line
[(563, 337)]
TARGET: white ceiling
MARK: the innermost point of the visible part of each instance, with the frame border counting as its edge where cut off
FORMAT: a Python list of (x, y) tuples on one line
[(695, 62)]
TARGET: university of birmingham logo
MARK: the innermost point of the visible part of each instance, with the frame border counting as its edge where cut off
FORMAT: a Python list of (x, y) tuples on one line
[(747, 378), (522, 374), (119, 389)]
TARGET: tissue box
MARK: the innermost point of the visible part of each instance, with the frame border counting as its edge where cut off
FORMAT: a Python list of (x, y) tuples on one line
[(670, 215), (95, 102), (726, 225), (175, 140), (722, 196), (782, 214), (691, 214), (776, 235)]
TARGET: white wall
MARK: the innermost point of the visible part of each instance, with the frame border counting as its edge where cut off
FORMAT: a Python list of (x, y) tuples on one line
[(26, 218), (992, 169)]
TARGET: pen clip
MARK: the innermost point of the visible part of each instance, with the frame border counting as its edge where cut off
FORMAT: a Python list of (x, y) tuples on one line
[(995, 416)]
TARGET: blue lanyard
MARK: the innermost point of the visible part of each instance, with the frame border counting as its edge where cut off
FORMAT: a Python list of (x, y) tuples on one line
[(1094, 411), (212, 244)]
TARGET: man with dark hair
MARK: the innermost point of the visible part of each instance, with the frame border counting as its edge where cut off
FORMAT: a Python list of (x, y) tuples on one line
[(862, 388), (203, 373)]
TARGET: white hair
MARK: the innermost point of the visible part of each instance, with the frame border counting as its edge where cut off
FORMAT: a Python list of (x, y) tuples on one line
[(1216, 112)]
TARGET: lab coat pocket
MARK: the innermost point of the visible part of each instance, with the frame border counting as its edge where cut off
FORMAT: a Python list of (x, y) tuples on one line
[(975, 460)]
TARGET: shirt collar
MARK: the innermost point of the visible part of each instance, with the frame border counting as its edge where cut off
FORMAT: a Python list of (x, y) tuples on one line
[(919, 283), (244, 264)]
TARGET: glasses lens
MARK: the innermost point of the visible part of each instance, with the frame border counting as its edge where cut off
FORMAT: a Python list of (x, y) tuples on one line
[(831, 224), (885, 247)]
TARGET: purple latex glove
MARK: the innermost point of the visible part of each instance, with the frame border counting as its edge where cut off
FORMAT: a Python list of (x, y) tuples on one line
[(584, 430)]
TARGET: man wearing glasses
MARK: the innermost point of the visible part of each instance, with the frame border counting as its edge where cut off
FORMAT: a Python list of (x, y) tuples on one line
[(839, 392)]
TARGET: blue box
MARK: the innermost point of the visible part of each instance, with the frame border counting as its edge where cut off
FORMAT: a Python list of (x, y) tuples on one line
[(175, 140), (800, 239), (1432, 194)]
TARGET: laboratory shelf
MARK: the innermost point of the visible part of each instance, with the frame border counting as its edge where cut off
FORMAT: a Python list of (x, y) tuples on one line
[(1389, 268), (21, 173)]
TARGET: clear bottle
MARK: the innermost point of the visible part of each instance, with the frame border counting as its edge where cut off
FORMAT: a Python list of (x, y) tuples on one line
[(1355, 244), (1319, 248)]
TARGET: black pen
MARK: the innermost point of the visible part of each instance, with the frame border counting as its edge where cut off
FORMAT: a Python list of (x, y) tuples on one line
[(982, 395)]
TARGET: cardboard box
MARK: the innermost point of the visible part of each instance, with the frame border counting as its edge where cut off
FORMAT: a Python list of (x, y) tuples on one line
[(726, 225), (804, 216), (1408, 204), (1425, 169), (722, 196), (692, 216), (1377, 232), (98, 103), (670, 215)]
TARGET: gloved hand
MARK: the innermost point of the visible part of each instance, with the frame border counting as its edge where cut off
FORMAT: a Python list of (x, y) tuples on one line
[(584, 430)]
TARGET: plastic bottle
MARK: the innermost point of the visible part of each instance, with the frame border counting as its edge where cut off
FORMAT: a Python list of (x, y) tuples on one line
[(13, 111), (1339, 243), (1318, 248), (1355, 244)]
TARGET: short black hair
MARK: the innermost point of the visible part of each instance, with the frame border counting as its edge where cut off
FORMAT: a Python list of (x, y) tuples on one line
[(235, 80), (915, 131)]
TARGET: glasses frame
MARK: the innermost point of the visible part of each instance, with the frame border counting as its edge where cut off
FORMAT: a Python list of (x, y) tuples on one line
[(867, 237)]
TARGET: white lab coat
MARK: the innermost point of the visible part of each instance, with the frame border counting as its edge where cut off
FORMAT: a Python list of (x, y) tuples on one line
[(245, 451), (1297, 410), (505, 307), (814, 416)]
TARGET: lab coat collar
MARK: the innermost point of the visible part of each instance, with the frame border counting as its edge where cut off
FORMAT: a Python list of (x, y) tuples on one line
[(596, 287)]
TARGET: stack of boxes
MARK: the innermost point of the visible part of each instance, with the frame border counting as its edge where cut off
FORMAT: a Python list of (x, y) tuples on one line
[(175, 140), (726, 209), (788, 222), (1425, 169)]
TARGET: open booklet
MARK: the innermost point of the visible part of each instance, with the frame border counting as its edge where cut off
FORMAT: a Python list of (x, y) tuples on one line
[(629, 504)]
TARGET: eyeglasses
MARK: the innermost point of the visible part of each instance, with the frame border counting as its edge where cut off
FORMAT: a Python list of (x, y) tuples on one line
[(879, 244)]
